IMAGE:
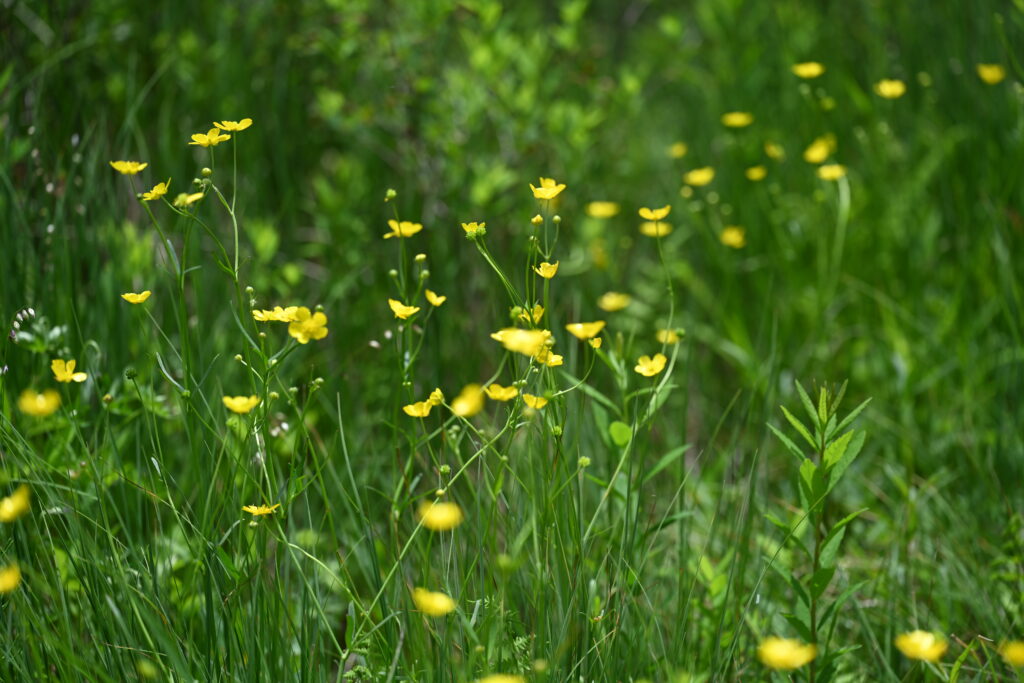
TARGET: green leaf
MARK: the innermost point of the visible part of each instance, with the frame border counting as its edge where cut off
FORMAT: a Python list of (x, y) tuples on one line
[(621, 433), (822, 408), (831, 547), (790, 446), (820, 580), (799, 427), (852, 416), (665, 461), (808, 406), (834, 451), (800, 621), (954, 674), (844, 461), (831, 612)]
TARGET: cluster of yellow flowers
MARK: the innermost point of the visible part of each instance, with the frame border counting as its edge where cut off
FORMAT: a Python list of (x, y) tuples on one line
[(11, 508)]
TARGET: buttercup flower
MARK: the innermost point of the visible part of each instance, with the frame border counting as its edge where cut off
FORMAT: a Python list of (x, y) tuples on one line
[(431, 603), (774, 150), (667, 336), (401, 310), (785, 654), (595, 342), (1013, 653), (435, 299), (418, 409), (277, 314), (39, 405), (527, 342), (585, 330), (258, 510), (547, 270), (922, 645), (613, 301), (64, 371), (211, 138), (678, 150), (469, 402), (549, 189), (532, 316), (436, 397), (240, 404), (699, 177), (991, 73), (496, 392), (307, 325), (819, 150), (890, 88), (158, 191), (402, 229), (831, 171), (10, 578), (655, 214), (440, 516), (183, 199), (133, 298), (15, 505), (733, 236), (655, 228), (233, 125), (128, 167), (649, 367), (808, 69), (737, 119), (552, 360), (475, 229), (535, 402), (501, 678), (756, 173), (602, 209)]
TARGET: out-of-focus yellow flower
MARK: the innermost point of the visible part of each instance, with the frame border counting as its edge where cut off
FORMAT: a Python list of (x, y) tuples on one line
[(211, 138), (475, 229), (128, 167), (535, 402), (648, 366), (774, 151), (418, 409), (699, 177), (549, 189), (133, 298), (233, 125), (307, 325), (655, 214), (655, 228), (548, 358), (613, 301), (10, 578), (183, 199), (809, 69), (401, 310), (402, 229), (435, 299), (991, 73), (432, 603), (15, 505), (158, 191), (1012, 653), (602, 209), (496, 392), (440, 516), (537, 220), (585, 330), (501, 678), (469, 402), (831, 171), (64, 371), (595, 342), (532, 316), (259, 510), (737, 119), (436, 397), (241, 404), (678, 150), (733, 236), (527, 342), (39, 405), (277, 314), (756, 173), (922, 645), (819, 150), (667, 336), (890, 88), (785, 654), (547, 270)]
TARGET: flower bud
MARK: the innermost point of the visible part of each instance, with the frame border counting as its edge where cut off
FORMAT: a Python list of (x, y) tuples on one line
[(130, 374), (556, 219), (420, 258), (537, 220)]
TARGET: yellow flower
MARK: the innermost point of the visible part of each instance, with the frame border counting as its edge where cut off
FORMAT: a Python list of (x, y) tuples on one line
[(435, 299), (431, 603), (678, 150), (613, 301), (278, 314), (547, 270), (733, 236), (785, 654), (39, 405), (831, 171), (10, 577), (469, 402), (585, 330), (756, 173), (737, 119), (475, 229), (402, 229), (418, 409), (655, 228), (211, 138), (64, 371), (991, 73), (552, 360), (602, 209), (233, 125), (128, 167), (699, 177), (808, 69), (158, 191), (307, 325), (549, 189), (436, 397), (649, 367), (440, 516), (257, 510), (240, 404), (1013, 652), (655, 214), (535, 402), (527, 342), (667, 336), (15, 505), (183, 199), (496, 392), (819, 150), (533, 316), (133, 298), (774, 150), (922, 645), (890, 88), (401, 310), (501, 678)]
